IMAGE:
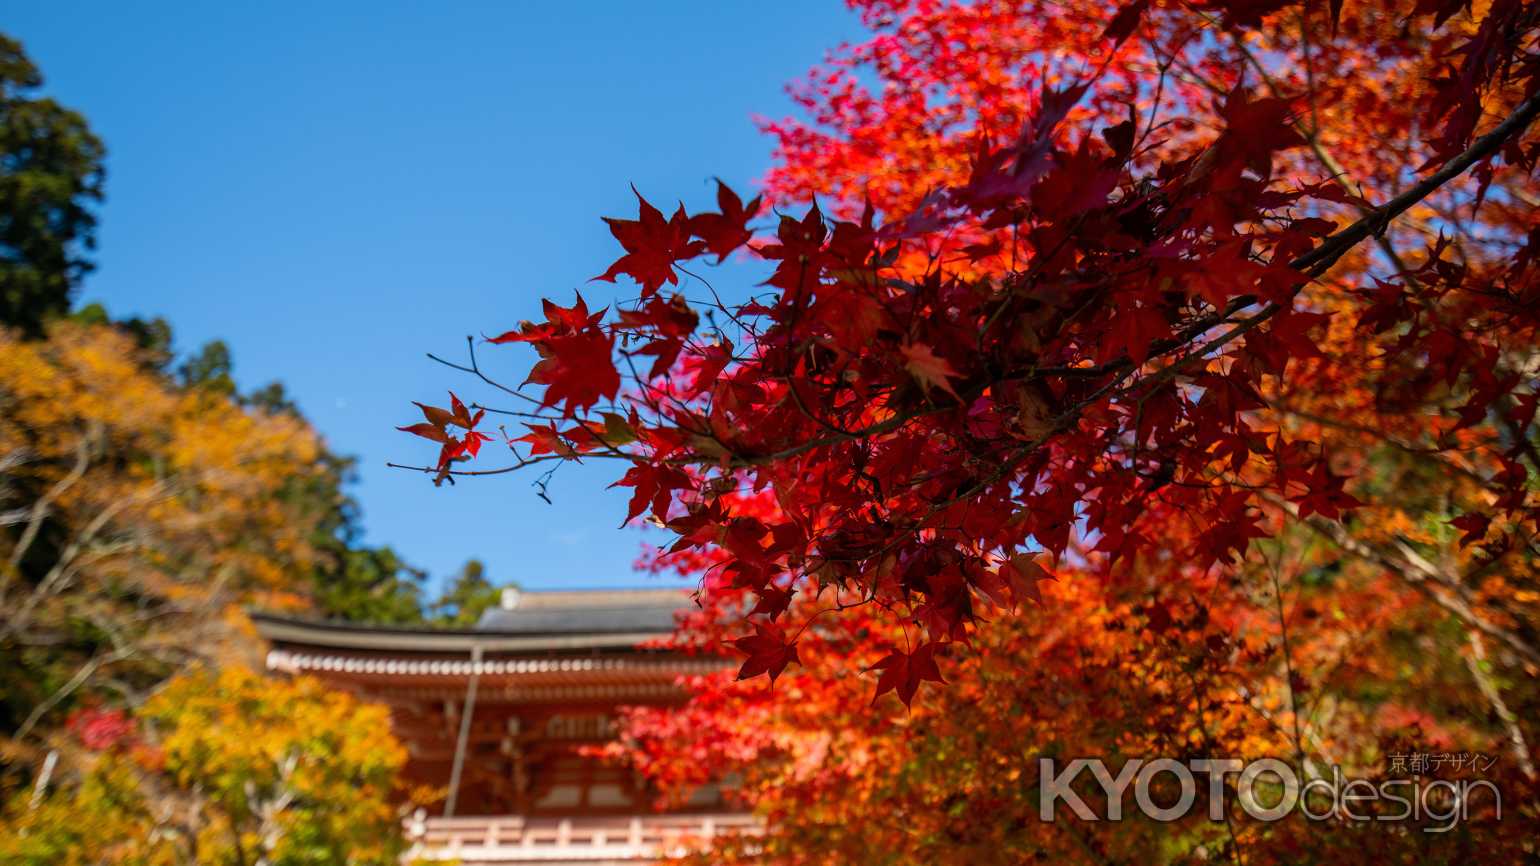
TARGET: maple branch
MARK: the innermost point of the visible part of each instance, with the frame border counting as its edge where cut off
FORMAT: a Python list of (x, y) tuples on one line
[(1212, 747), (1311, 134), (534, 416), (1489, 690), (544, 458), (1312, 263), (1333, 247), (475, 370), (881, 427), (726, 310), (1426, 452), (79, 679), (1319, 259), (1288, 661), (64, 567), (1416, 571), (1520, 436), (40, 508), (1252, 699)]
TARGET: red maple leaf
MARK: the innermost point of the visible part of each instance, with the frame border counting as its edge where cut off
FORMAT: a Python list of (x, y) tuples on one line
[(1474, 526), (461, 416), (653, 485), (726, 231), (546, 440), (559, 320), (471, 444), (706, 365), (903, 672), (652, 245), (576, 370), (436, 416), (1125, 22), (1131, 331), (768, 652), (1023, 573), (932, 370), (426, 431)]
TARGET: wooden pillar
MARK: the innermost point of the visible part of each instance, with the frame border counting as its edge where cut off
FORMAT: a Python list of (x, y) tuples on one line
[(467, 709)]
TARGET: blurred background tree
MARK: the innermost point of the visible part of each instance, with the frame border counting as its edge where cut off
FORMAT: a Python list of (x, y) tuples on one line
[(467, 596), (51, 176), (223, 768), (143, 508)]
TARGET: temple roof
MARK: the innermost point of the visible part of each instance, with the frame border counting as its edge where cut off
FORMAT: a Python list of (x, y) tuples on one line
[(585, 612), (526, 621)]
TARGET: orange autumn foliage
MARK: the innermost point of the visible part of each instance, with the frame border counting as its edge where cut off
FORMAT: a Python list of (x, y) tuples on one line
[(140, 517)]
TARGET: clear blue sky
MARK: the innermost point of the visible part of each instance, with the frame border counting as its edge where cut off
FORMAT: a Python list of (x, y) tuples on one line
[(336, 188)]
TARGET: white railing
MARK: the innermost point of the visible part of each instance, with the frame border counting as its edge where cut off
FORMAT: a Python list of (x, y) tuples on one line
[(516, 839)]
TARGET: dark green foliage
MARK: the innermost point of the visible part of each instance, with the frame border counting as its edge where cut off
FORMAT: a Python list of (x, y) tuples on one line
[(370, 584), (50, 178), (468, 595), (209, 369)]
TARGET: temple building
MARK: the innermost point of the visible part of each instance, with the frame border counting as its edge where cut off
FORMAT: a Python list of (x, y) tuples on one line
[(497, 718)]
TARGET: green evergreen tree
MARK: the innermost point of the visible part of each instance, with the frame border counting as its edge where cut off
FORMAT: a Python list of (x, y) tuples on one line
[(51, 176), (468, 595)]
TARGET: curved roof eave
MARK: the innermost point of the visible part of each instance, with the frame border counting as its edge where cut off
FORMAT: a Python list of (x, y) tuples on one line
[(277, 628)]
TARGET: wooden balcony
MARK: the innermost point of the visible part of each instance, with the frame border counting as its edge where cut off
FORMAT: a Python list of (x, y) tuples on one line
[(473, 841)]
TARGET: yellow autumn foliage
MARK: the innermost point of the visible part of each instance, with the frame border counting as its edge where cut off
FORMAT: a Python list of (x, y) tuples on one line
[(138, 516), (228, 767)]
